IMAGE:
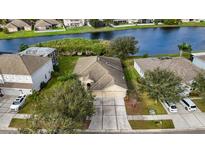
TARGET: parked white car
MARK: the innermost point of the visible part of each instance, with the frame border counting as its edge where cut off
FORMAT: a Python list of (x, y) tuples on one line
[(19, 101), (188, 104), (171, 106)]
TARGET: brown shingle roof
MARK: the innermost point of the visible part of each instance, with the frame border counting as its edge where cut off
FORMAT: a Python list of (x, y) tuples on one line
[(21, 65), (17, 23), (105, 71), (180, 66), (42, 23)]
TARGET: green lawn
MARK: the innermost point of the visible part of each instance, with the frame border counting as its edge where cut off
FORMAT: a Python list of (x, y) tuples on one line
[(200, 103), (144, 102), (85, 29), (66, 65), (18, 123), (151, 124)]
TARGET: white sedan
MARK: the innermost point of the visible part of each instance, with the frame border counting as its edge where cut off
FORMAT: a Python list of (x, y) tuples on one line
[(19, 101)]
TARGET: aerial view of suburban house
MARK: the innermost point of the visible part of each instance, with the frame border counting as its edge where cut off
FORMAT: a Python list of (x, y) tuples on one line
[(17, 25), (74, 22), (23, 74), (44, 24), (198, 59), (42, 52), (180, 66), (103, 75)]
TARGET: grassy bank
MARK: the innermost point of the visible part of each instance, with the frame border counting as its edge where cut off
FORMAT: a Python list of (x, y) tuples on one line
[(86, 29), (200, 103), (77, 45), (151, 124)]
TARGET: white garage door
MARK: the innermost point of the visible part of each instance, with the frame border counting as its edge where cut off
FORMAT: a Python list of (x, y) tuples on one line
[(110, 94), (11, 92)]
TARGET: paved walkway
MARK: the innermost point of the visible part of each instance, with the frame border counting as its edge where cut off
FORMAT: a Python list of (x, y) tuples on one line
[(110, 115), (182, 119)]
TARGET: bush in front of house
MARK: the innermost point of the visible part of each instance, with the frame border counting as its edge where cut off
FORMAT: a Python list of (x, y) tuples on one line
[(42, 85)]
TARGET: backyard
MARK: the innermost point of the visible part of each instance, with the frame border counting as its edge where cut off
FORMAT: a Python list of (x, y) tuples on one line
[(66, 65)]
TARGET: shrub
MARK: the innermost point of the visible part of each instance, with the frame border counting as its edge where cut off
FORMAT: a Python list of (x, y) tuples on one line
[(42, 85), (5, 30)]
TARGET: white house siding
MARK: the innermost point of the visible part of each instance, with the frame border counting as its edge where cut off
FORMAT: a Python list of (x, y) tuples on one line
[(138, 69), (42, 75), (198, 62), (12, 29), (112, 91)]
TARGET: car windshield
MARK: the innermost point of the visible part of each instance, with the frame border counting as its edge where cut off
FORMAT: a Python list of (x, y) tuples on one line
[(16, 102), (173, 107), (193, 107)]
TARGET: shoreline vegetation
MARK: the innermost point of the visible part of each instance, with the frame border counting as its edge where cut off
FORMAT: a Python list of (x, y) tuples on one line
[(87, 29)]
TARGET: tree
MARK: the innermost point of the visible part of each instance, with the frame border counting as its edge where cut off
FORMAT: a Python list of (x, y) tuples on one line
[(123, 46), (3, 21), (62, 110), (23, 47), (172, 21), (6, 31), (96, 23), (198, 85), (184, 47), (161, 85)]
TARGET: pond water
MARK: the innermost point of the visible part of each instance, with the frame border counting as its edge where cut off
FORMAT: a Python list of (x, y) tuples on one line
[(151, 40)]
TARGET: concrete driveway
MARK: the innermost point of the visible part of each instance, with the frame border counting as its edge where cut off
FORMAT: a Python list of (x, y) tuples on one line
[(110, 114), (5, 114)]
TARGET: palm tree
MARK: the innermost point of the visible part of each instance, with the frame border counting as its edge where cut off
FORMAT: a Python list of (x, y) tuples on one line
[(184, 47)]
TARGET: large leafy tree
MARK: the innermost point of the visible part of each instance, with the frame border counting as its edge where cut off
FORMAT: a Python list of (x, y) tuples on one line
[(123, 46), (96, 23), (62, 110), (161, 85), (198, 84), (171, 21), (184, 47)]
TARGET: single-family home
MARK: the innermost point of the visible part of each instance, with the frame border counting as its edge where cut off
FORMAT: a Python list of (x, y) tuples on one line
[(145, 21), (21, 74), (42, 52), (44, 24), (74, 22), (198, 59), (180, 66), (120, 21), (17, 25), (102, 75)]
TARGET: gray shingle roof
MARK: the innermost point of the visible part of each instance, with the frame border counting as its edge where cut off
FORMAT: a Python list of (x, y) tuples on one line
[(38, 51), (105, 71), (21, 65), (180, 66), (17, 23)]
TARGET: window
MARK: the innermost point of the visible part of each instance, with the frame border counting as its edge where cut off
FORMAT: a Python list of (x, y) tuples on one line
[(45, 77)]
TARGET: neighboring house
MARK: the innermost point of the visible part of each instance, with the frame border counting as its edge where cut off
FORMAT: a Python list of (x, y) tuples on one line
[(120, 21), (198, 59), (74, 22), (133, 21), (45, 24), (43, 52), (179, 66), (23, 74), (103, 75), (145, 21), (17, 25), (191, 20)]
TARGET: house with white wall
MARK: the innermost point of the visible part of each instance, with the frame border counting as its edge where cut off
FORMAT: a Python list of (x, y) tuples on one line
[(21, 74), (73, 22), (198, 59), (180, 66)]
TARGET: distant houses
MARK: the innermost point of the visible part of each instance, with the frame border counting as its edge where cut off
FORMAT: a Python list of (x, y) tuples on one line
[(21, 74), (45, 24), (18, 25), (73, 22)]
